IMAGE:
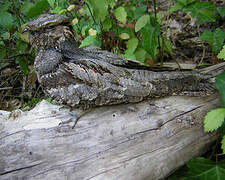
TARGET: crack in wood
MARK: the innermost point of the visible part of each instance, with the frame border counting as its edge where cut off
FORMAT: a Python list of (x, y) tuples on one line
[(18, 169)]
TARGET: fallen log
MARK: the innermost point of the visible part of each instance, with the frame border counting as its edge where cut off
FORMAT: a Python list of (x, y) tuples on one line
[(147, 140)]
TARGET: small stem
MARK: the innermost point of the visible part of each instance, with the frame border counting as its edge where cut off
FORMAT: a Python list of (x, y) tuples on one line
[(91, 13), (160, 49), (203, 47)]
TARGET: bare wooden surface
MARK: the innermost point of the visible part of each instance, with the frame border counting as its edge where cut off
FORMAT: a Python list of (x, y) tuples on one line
[(140, 141)]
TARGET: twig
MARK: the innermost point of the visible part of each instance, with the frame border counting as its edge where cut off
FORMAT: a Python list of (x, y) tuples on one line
[(91, 13), (5, 88), (160, 49)]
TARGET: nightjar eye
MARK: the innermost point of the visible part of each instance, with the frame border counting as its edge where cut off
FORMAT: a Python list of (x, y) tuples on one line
[(24, 30)]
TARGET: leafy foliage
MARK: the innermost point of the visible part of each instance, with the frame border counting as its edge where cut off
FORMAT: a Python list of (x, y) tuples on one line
[(221, 55), (214, 39), (220, 85), (214, 119), (204, 11), (201, 168)]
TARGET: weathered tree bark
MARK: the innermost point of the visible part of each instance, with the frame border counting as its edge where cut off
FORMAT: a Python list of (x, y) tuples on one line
[(147, 140)]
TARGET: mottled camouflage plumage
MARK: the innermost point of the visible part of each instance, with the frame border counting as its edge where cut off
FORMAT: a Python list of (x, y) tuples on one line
[(87, 77)]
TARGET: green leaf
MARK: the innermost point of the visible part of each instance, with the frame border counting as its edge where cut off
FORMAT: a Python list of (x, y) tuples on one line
[(214, 119), (26, 7), (215, 39), (51, 3), (6, 20), (221, 12), (124, 36), (111, 3), (177, 6), (21, 46), (38, 8), (203, 169), (186, 2), (140, 54), (5, 6), (220, 85), (168, 46), (121, 14), (57, 10), (83, 30), (107, 24), (99, 8), (141, 22), (149, 36), (23, 64), (140, 11), (5, 35), (207, 36), (132, 44), (128, 54), (221, 55), (2, 52), (223, 144), (203, 11), (90, 41)]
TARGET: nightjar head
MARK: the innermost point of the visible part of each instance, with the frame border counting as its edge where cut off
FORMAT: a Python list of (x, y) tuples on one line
[(45, 30)]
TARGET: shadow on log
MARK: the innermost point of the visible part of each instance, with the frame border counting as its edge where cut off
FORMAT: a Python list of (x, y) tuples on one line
[(147, 140)]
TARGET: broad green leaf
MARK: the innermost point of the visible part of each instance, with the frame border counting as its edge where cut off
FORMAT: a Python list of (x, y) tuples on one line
[(141, 22), (221, 11), (121, 14), (177, 6), (57, 10), (83, 30), (90, 41), (107, 24), (186, 2), (221, 55), (38, 8), (99, 8), (220, 85), (21, 46), (5, 35), (204, 169), (5, 6), (128, 54), (149, 36), (6, 20), (132, 44), (140, 54), (214, 119), (207, 36), (215, 39), (23, 64), (203, 11), (140, 11), (223, 144), (26, 7), (124, 36), (168, 46)]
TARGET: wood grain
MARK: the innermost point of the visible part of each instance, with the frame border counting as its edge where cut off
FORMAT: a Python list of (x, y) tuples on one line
[(147, 140)]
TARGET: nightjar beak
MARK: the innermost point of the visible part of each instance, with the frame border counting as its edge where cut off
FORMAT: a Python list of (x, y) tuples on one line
[(24, 33)]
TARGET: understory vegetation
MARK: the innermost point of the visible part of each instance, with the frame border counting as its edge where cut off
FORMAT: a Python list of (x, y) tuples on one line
[(135, 29)]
